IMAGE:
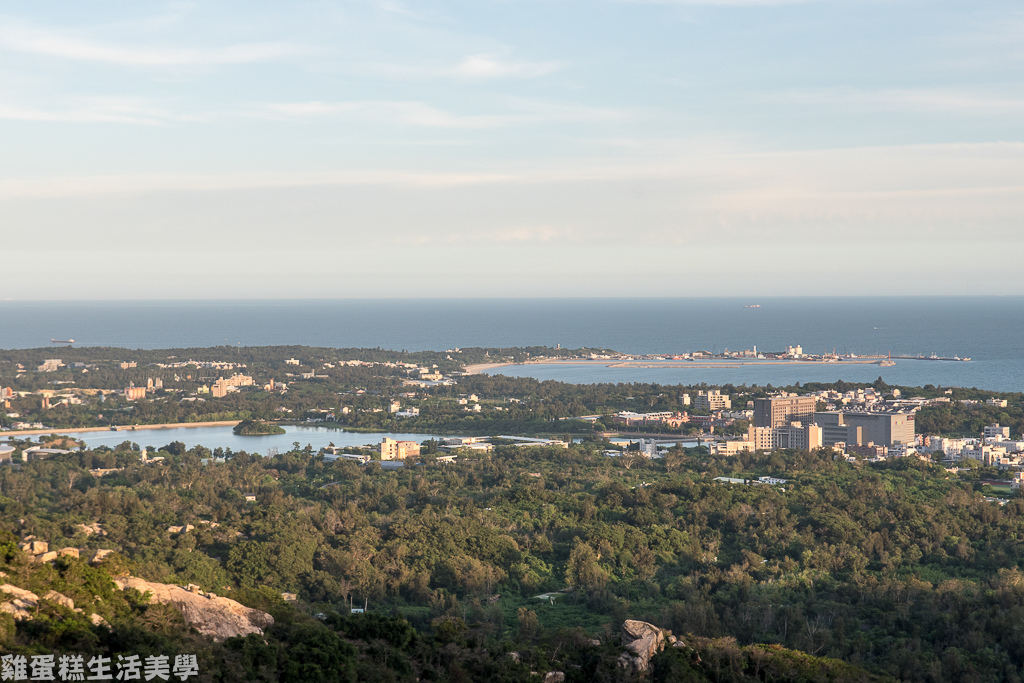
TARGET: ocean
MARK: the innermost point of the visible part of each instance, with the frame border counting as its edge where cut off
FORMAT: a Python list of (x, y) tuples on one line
[(989, 330)]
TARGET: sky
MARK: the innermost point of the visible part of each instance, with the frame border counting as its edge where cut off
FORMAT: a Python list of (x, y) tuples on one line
[(480, 148)]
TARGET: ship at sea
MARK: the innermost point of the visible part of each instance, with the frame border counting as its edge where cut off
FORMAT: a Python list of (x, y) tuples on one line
[(753, 306), (62, 341)]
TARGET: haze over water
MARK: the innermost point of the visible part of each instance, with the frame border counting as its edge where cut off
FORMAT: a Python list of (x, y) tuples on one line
[(990, 330)]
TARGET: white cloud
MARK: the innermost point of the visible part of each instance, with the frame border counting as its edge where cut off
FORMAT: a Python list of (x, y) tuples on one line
[(19, 37), (97, 185), (519, 112), (479, 67), (472, 68), (909, 99), (697, 197), (95, 110)]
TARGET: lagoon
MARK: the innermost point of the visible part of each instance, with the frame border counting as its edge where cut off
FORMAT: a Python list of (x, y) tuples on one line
[(223, 437)]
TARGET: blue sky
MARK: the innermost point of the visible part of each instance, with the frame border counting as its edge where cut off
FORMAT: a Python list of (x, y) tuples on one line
[(510, 148)]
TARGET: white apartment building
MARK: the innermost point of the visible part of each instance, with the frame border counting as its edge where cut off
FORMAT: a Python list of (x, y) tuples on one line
[(711, 400), (994, 431), (398, 450)]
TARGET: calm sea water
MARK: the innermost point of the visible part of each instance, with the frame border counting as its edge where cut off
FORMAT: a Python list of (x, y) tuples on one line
[(223, 437), (982, 374), (988, 329)]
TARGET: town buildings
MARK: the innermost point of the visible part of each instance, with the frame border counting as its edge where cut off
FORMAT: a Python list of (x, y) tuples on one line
[(783, 410), (390, 449), (885, 428), (795, 435), (790, 421), (222, 387), (134, 393), (50, 365), (994, 431), (711, 400)]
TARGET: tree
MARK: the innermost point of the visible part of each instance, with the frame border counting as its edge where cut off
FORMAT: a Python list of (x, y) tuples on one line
[(529, 624), (582, 570)]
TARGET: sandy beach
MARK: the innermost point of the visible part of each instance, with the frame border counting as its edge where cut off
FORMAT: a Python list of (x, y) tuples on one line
[(173, 425), (482, 367)]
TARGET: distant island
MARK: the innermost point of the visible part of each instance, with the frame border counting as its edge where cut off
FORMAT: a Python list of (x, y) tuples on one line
[(256, 428)]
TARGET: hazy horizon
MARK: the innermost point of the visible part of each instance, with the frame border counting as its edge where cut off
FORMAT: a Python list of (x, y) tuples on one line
[(371, 148), (751, 299)]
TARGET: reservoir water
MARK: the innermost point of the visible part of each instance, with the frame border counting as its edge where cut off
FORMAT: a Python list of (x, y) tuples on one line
[(990, 330), (223, 437)]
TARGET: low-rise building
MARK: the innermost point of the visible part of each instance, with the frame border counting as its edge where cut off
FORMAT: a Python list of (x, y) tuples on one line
[(732, 447), (134, 393), (884, 428), (50, 365), (995, 431), (797, 436), (390, 449), (473, 443), (39, 453), (222, 387), (632, 419), (332, 453)]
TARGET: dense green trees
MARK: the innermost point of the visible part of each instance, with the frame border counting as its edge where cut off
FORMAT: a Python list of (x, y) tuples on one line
[(899, 567)]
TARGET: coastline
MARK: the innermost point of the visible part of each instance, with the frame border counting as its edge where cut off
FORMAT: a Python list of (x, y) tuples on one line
[(482, 367), (170, 425), (696, 365)]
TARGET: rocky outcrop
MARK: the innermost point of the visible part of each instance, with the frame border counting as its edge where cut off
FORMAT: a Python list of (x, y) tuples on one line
[(36, 547), (554, 677), (642, 641), (100, 555), (22, 603), (60, 599), (211, 615), (39, 551)]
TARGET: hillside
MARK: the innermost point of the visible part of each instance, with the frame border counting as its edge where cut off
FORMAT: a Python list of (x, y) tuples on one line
[(900, 568)]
